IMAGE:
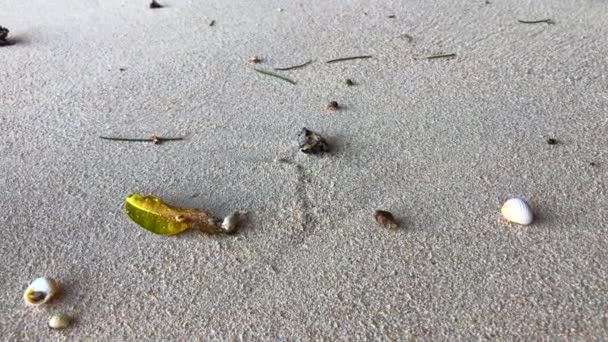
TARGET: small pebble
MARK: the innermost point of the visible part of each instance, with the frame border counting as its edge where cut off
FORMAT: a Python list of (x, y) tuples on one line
[(155, 5), (59, 321), (392, 16), (333, 106), (255, 60), (311, 142), (551, 141), (349, 82), (385, 219)]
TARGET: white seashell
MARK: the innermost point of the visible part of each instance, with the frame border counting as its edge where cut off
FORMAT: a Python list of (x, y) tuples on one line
[(517, 210), (40, 291), (231, 221), (59, 321)]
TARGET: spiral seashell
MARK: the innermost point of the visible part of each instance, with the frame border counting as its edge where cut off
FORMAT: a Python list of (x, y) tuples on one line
[(40, 291)]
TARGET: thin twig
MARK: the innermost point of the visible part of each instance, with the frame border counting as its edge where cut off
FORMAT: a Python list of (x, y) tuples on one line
[(155, 139), (445, 55), (348, 58), (548, 21), (274, 75), (294, 67)]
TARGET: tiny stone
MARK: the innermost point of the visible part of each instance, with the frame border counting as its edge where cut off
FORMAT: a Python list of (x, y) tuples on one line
[(122, 69), (212, 23), (59, 321), (385, 219), (392, 16), (551, 141), (155, 5), (254, 59), (311, 142), (592, 164), (333, 106), (349, 82)]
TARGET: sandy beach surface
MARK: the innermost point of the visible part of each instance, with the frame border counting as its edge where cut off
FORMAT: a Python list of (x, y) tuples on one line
[(441, 143)]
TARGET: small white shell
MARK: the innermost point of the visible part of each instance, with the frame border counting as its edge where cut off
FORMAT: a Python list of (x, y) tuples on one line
[(40, 291), (232, 221), (517, 210), (59, 321)]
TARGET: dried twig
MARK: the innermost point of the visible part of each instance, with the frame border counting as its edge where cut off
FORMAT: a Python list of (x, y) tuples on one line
[(155, 139), (294, 67), (445, 55), (274, 75), (348, 58), (546, 21)]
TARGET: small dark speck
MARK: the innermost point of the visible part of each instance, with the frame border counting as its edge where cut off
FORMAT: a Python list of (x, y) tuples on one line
[(212, 23), (122, 69), (593, 164), (155, 5), (551, 141), (487, 2), (392, 16), (349, 82)]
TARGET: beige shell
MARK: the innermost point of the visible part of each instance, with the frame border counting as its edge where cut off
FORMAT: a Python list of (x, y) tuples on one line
[(40, 291), (518, 211), (59, 321)]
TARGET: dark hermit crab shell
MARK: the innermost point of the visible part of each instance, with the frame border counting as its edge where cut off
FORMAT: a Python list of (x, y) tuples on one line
[(311, 142)]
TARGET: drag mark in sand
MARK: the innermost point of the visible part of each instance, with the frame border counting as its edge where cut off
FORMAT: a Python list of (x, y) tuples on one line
[(304, 204)]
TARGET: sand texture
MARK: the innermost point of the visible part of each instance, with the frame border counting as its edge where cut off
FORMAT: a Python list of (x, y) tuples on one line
[(441, 143)]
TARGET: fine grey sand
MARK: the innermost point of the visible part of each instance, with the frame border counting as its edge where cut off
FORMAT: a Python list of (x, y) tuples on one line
[(440, 143)]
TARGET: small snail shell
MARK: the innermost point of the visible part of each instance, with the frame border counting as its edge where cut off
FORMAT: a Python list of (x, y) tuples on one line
[(517, 210), (40, 291), (59, 321)]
